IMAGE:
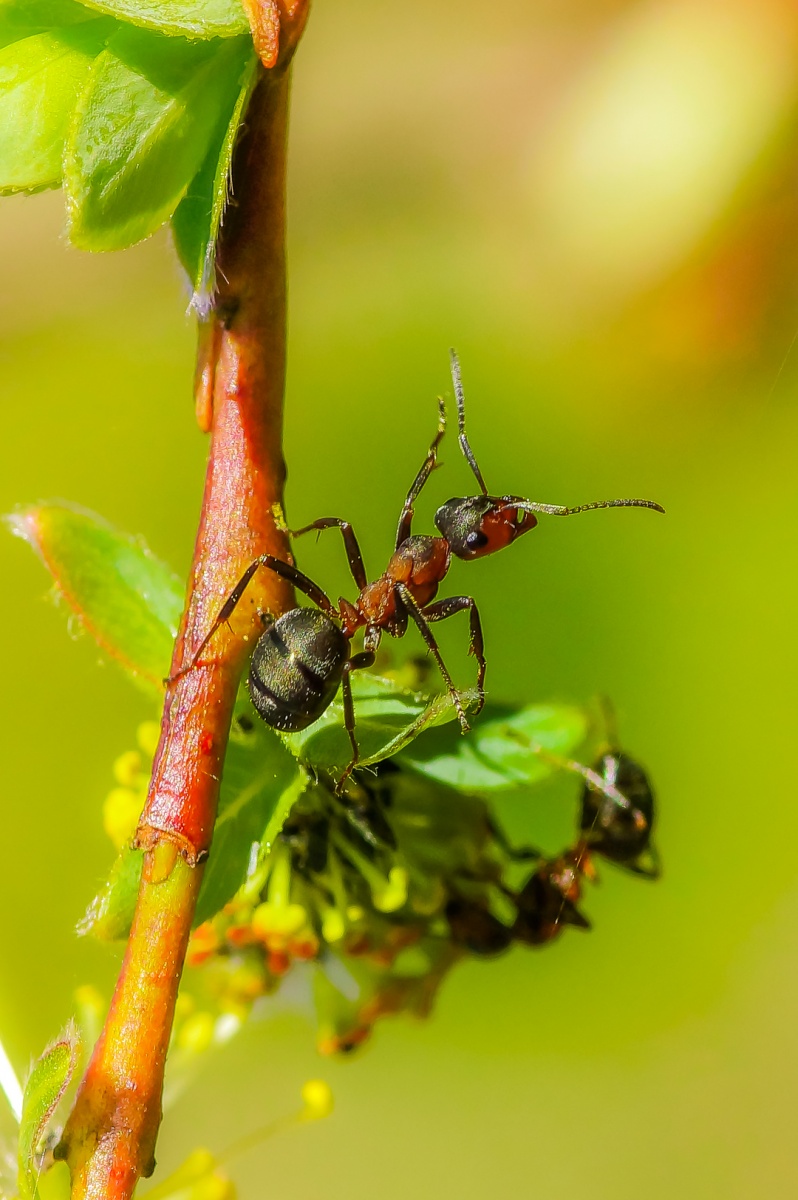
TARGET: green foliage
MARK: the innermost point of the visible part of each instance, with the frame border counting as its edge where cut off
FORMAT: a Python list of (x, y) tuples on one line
[(110, 913), (135, 106), (123, 596), (39, 79), (23, 18), (46, 1084), (261, 782), (198, 217), (189, 18), (502, 751), (141, 133), (388, 718)]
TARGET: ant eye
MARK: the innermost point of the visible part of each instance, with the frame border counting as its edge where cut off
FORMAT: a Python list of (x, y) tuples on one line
[(476, 540)]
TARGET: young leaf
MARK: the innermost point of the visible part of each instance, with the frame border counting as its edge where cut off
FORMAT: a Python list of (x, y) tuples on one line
[(40, 78), (189, 18), (46, 1084), (388, 718), (500, 752), (261, 782), (126, 599), (198, 217), (110, 914), (142, 130), (23, 18)]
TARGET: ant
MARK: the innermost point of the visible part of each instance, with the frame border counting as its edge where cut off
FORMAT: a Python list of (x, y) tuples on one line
[(302, 658), (620, 832), (617, 805), (541, 909)]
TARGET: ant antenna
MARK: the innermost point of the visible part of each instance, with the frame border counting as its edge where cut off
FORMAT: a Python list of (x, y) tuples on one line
[(553, 510), (464, 444), (558, 510)]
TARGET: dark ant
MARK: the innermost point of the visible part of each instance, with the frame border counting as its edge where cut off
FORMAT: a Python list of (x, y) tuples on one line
[(617, 804), (547, 901), (300, 660), (616, 821), (474, 927), (620, 832), (545, 904)]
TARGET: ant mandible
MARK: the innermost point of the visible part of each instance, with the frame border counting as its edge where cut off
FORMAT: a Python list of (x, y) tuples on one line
[(300, 660)]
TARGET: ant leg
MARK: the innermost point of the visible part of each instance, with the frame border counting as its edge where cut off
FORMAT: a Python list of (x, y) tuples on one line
[(419, 618), (350, 545), (428, 466), (454, 604), (357, 663), (285, 571), (465, 446), (592, 778)]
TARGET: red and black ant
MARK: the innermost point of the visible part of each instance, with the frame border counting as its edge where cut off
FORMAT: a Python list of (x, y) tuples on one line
[(300, 659)]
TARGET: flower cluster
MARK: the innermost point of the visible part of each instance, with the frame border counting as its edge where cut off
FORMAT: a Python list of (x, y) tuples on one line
[(124, 803), (385, 888)]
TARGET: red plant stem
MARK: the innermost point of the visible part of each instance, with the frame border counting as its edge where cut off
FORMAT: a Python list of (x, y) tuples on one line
[(245, 480), (109, 1139)]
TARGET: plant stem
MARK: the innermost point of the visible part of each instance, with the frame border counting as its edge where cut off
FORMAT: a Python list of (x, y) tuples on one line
[(109, 1139)]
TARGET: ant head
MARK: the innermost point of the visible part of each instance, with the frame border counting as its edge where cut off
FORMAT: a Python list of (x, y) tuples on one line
[(478, 525)]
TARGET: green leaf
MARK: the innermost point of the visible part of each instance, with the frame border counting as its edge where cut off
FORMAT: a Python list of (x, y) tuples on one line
[(23, 18), (501, 751), (142, 131), (189, 18), (40, 79), (46, 1084), (125, 598), (260, 784), (198, 217), (261, 781), (110, 914), (387, 717)]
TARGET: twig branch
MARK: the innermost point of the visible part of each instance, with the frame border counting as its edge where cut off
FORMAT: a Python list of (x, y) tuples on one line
[(109, 1139)]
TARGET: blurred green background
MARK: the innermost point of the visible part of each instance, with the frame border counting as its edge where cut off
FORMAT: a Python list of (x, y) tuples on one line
[(595, 202)]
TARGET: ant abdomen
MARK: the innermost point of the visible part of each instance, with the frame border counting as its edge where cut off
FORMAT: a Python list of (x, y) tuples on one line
[(296, 669), (622, 834)]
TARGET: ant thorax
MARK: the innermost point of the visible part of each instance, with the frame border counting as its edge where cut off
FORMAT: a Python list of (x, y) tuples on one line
[(418, 565)]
